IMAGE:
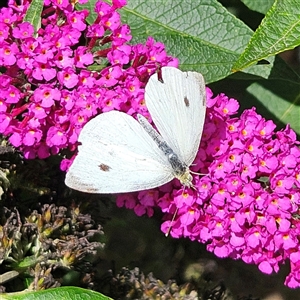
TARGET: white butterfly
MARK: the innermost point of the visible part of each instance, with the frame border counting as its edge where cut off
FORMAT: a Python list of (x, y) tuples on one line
[(120, 154)]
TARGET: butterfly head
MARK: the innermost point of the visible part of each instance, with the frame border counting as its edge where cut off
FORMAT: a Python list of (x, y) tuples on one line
[(185, 178)]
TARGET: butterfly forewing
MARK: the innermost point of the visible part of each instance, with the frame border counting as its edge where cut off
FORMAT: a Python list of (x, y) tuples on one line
[(177, 106)]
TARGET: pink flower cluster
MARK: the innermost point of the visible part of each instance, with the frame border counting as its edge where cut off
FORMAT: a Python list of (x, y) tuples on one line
[(247, 205), (52, 84)]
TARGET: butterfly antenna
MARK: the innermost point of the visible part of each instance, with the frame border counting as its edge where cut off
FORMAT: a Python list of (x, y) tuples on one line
[(169, 230), (196, 173), (174, 216)]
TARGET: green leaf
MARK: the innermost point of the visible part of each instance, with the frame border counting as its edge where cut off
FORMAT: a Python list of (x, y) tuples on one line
[(261, 6), (279, 31), (202, 34), (62, 293), (275, 68), (33, 14), (275, 100), (209, 42), (90, 6), (282, 101), (28, 261)]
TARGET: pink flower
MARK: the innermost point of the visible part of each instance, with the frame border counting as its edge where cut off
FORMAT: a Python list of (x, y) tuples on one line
[(102, 8), (60, 3), (23, 31), (77, 19), (11, 95), (245, 205), (56, 137), (82, 58), (95, 30), (67, 77), (121, 35), (43, 71), (8, 53), (281, 183), (120, 55), (119, 3), (110, 76), (38, 111), (111, 21), (126, 200), (4, 32), (32, 136), (265, 267), (64, 59), (46, 95)]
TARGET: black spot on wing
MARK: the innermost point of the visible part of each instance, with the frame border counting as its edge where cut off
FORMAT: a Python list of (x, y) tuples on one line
[(104, 167), (186, 101)]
